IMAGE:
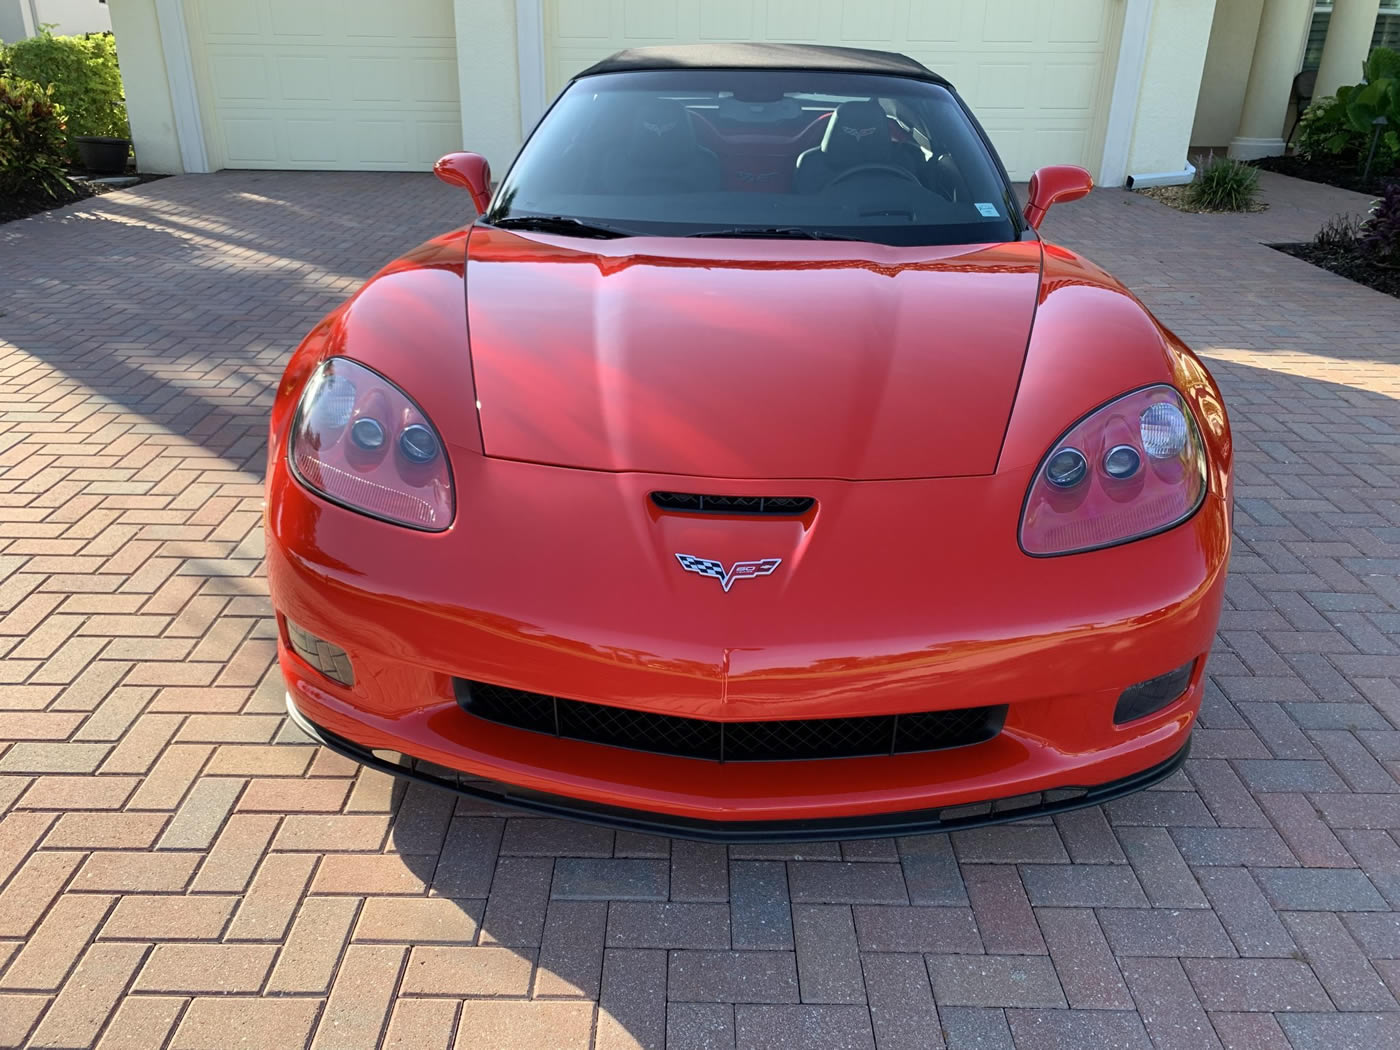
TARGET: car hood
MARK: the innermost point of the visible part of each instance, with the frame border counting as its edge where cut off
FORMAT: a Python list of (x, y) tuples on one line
[(748, 358)]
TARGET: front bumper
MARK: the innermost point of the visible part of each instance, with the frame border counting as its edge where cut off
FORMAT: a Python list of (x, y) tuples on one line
[(886, 604), (909, 822)]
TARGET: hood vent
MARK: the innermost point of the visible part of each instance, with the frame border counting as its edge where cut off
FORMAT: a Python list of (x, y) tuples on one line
[(701, 503)]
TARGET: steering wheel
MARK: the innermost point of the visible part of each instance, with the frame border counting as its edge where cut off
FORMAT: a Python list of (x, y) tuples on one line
[(888, 169)]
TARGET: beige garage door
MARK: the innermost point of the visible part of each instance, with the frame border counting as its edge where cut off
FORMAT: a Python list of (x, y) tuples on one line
[(329, 84), (1036, 72)]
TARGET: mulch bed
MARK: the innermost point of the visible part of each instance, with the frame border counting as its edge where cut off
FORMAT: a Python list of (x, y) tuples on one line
[(22, 207), (1344, 175), (1179, 197), (1347, 263)]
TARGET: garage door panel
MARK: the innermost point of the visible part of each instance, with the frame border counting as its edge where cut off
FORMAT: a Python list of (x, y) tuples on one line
[(313, 141), (320, 84), (727, 20), (377, 19), (862, 21), (1074, 22), (1001, 86), (234, 20), (649, 20), (306, 78), (937, 21), (250, 140), (1010, 21), (794, 20), (1036, 72), (378, 142), (306, 18), (239, 77), (583, 20), (419, 23), (1051, 143), (1068, 87), (379, 78), (434, 138), (435, 81)]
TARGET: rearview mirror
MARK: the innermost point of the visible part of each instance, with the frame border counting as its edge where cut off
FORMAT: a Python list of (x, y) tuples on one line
[(1055, 184), (469, 171)]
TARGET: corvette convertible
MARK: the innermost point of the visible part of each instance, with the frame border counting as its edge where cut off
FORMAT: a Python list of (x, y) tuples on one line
[(750, 468)]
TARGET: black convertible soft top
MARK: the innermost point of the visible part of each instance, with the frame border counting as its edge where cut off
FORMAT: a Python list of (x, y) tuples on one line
[(764, 56)]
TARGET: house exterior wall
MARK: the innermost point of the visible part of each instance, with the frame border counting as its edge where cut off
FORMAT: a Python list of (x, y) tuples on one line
[(148, 105), (489, 79), (22, 18), (490, 34), (1226, 72), (73, 16), (1171, 82), (14, 20)]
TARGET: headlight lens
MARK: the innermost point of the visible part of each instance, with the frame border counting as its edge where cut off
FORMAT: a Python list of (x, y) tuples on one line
[(1144, 470), (361, 442)]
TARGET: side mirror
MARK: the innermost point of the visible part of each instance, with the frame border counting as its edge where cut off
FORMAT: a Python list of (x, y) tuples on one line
[(469, 171), (1055, 184)]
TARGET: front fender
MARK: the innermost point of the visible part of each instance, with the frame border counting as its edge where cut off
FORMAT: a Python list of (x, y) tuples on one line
[(1092, 341), (409, 323)]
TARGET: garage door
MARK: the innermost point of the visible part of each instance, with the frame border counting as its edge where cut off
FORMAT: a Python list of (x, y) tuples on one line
[(339, 84), (1036, 72)]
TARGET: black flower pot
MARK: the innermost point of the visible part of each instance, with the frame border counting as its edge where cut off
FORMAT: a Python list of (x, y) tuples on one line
[(103, 156)]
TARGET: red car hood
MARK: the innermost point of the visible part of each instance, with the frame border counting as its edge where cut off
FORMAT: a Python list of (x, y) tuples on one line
[(748, 358)]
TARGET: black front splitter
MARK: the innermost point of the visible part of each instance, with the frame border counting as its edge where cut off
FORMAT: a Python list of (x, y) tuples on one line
[(874, 825)]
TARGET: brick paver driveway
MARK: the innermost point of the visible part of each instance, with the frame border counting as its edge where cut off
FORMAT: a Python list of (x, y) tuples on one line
[(178, 868)]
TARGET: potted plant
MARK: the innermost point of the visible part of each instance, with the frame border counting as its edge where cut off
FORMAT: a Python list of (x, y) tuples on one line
[(103, 154)]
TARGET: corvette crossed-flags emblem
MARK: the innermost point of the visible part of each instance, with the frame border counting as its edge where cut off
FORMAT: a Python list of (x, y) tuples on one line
[(740, 570)]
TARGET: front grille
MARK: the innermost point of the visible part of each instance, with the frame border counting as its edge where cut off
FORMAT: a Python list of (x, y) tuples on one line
[(700, 503), (774, 741)]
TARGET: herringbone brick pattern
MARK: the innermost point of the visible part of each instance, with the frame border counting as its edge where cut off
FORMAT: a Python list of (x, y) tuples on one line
[(179, 869)]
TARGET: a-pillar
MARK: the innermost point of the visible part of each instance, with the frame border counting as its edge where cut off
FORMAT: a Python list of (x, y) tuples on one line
[(1283, 25)]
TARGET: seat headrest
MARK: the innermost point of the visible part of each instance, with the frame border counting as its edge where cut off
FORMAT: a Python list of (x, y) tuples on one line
[(662, 133), (858, 133)]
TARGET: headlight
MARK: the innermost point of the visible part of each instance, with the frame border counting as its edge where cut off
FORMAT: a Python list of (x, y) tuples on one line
[(361, 442), (1132, 468)]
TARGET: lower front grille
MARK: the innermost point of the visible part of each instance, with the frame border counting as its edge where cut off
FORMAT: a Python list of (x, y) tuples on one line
[(772, 741)]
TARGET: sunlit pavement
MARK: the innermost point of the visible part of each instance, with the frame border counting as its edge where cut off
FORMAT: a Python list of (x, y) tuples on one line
[(181, 869)]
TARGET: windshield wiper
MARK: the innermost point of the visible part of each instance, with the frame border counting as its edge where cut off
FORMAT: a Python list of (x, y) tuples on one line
[(562, 224), (776, 232)]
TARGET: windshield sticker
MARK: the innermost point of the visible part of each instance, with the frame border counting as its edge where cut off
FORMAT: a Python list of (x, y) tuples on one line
[(989, 210)]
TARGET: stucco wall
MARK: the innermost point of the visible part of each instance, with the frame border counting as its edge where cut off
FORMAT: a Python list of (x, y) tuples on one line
[(22, 18), (73, 16), (1226, 72), (148, 108), (1171, 77), (14, 19), (489, 80)]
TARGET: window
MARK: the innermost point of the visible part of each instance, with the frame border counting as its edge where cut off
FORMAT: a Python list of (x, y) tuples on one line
[(707, 152), (1387, 32)]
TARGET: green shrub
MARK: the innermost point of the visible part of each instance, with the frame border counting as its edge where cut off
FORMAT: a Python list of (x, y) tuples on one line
[(1224, 184), (32, 140), (1343, 126), (82, 70), (1324, 130)]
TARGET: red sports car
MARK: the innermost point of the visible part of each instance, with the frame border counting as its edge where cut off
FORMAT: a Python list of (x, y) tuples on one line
[(751, 469)]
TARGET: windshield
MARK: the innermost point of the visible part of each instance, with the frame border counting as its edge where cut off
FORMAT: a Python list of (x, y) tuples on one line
[(706, 152)]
